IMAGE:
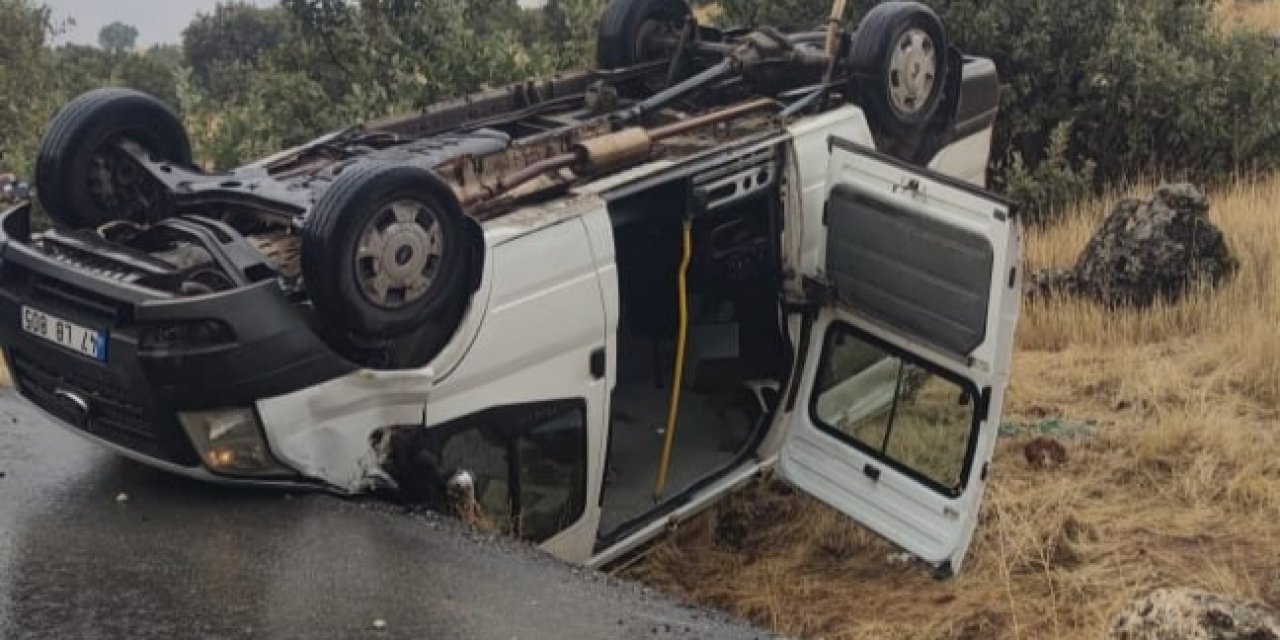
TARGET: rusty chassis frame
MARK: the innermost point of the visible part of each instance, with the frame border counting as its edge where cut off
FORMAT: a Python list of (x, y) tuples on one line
[(285, 186)]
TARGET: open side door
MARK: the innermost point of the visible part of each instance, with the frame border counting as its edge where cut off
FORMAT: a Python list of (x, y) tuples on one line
[(899, 403)]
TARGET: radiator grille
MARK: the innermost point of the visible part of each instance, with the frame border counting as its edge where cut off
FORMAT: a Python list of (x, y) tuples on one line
[(115, 415)]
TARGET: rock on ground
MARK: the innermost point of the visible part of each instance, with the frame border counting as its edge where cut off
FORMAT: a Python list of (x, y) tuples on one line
[(1043, 453), (1191, 614), (1146, 251), (1054, 281)]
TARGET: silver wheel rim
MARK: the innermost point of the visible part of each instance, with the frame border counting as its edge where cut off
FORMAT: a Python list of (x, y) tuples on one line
[(398, 258), (912, 71)]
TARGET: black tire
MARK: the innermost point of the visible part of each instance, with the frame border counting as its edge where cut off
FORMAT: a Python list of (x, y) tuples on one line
[(87, 128), (338, 278), (625, 25), (872, 76)]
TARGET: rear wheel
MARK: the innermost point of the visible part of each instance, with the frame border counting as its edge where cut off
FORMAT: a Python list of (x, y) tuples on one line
[(636, 31), (898, 66), (83, 177), (386, 256)]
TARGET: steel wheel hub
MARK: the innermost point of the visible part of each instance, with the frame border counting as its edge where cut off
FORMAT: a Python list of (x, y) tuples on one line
[(399, 254), (115, 181), (912, 71)]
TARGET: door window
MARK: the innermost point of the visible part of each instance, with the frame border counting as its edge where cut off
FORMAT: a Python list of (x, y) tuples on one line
[(527, 465), (918, 421)]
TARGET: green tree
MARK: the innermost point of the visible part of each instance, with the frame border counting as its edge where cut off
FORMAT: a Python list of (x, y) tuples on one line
[(117, 37), (169, 55), (1145, 86), (567, 32), (1097, 91), (792, 14), (380, 54), (79, 68), (28, 95), (1093, 91), (150, 73), (223, 48), (493, 16)]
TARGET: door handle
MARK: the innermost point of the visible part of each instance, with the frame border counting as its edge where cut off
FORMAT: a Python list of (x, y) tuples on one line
[(599, 364), (908, 184), (911, 187)]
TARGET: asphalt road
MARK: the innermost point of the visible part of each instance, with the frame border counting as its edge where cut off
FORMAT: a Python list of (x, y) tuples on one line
[(179, 559)]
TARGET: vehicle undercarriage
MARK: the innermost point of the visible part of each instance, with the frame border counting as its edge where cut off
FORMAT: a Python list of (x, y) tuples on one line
[(374, 231)]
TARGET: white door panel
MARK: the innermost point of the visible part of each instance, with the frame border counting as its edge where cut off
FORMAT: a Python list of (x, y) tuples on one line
[(898, 405), (916, 253), (883, 506)]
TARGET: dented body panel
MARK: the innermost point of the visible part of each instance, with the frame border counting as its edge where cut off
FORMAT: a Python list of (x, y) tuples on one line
[(548, 300)]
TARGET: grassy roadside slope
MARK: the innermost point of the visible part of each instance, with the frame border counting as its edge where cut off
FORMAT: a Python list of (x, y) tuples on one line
[(1171, 418)]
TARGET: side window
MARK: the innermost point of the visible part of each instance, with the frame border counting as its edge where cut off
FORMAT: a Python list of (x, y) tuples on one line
[(527, 465), (889, 407)]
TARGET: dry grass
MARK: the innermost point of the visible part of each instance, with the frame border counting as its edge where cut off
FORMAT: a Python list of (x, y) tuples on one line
[(1263, 15), (707, 14), (1178, 485)]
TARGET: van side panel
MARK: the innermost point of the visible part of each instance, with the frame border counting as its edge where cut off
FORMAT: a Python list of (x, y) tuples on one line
[(807, 193), (966, 158), (542, 318)]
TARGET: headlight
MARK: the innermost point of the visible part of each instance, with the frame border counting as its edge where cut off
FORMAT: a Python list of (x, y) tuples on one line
[(230, 442)]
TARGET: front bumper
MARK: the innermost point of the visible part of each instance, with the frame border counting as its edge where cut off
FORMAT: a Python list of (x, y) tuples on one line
[(198, 472), (265, 348)]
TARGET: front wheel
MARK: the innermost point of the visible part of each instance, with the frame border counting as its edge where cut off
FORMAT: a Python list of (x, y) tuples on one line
[(83, 177), (385, 256)]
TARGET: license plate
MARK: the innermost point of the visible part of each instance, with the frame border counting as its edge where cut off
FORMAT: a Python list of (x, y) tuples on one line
[(69, 335)]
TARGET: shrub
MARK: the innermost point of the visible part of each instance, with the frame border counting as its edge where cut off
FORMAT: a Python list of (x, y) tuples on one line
[(1150, 86), (1054, 182), (801, 14), (27, 94)]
